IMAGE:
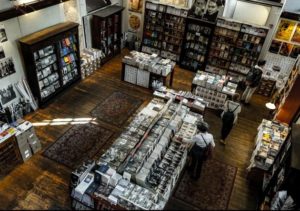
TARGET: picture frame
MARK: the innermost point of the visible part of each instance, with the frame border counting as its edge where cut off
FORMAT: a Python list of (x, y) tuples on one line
[(285, 29)]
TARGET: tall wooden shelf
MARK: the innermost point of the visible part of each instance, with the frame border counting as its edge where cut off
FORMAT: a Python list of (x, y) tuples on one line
[(164, 28), (52, 60), (235, 48), (196, 43), (288, 101), (107, 30)]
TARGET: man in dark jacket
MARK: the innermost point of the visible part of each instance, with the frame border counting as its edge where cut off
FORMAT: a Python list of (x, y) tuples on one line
[(253, 79)]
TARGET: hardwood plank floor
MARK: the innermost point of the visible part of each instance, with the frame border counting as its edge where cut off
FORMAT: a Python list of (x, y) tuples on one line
[(44, 184)]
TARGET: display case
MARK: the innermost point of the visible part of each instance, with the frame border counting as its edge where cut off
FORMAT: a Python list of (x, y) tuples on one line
[(107, 30), (195, 45), (164, 28), (52, 60)]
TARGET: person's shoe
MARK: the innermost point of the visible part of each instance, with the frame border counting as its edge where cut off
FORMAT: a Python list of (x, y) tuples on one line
[(222, 141)]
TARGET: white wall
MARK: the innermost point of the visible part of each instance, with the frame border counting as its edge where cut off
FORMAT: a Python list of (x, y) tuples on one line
[(292, 6), (23, 25)]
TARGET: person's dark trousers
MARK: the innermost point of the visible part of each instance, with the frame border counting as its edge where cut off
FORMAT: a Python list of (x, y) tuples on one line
[(225, 130), (197, 161)]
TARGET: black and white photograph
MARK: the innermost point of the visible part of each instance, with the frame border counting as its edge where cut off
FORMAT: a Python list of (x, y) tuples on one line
[(7, 67), (3, 37), (206, 9), (7, 94), (2, 54)]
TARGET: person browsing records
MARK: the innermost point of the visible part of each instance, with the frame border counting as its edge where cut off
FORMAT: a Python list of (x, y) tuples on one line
[(253, 79), (201, 142)]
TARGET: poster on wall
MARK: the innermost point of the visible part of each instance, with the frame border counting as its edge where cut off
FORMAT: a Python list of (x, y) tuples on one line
[(7, 94), (2, 54), (178, 3), (295, 51), (7, 67), (206, 9), (134, 22), (285, 49), (136, 5), (296, 36), (285, 30), (275, 46), (3, 37)]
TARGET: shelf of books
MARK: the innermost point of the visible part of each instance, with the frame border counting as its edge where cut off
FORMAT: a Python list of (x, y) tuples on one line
[(164, 28), (196, 42), (235, 47)]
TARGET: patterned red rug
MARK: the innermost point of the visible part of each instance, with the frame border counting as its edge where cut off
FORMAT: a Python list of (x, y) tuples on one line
[(79, 143), (116, 109), (212, 191)]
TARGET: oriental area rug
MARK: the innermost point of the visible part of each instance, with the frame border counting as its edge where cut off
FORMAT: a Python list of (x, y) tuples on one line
[(79, 143), (116, 109), (212, 190)]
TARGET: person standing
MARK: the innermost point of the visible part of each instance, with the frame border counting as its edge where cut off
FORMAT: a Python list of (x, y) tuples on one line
[(253, 79), (229, 116), (201, 142)]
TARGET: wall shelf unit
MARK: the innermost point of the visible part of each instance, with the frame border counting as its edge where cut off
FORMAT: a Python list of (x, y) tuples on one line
[(52, 60)]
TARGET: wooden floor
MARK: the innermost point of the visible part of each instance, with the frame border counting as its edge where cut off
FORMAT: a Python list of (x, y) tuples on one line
[(44, 184)]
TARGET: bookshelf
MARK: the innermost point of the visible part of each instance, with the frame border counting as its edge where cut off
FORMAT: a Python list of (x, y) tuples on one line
[(51, 58), (195, 45), (106, 31), (235, 48), (164, 28)]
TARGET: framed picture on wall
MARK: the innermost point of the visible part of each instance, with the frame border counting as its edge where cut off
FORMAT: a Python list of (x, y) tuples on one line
[(286, 49), (295, 51), (134, 22), (3, 37), (7, 67), (7, 94), (296, 35), (285, 30), (2, 54), (275, 46), (206, 9), (136, 5)]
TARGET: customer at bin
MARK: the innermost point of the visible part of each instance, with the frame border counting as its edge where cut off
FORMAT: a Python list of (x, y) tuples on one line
[(253, 79), (229, 116), (201, 142)]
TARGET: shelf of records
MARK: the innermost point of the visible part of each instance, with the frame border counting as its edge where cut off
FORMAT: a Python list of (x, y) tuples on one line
[(213, 88), (142, 167), (236, 46), (90, 60), (269, 140), (138, 68), (195, 103)]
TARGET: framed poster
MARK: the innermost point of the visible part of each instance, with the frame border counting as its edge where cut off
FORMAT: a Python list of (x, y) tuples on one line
[(295, 51), (285, 49), (275, 46), (296, 35), (2, 54), (3, 37), (206, 9), (136, 5), (7, 94), (7, 67), (285, 30), (134, 22)]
